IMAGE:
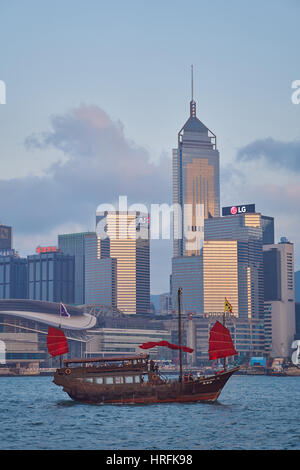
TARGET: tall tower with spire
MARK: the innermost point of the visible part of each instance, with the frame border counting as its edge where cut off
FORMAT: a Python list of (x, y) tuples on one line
[(196, 181)]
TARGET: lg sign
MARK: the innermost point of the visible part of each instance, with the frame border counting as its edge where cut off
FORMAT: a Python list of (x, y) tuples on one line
[(235, 210), (238, 210)]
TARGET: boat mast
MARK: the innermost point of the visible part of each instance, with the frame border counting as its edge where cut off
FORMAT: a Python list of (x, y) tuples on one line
[(179, 336), (59, 326), (224, 359)]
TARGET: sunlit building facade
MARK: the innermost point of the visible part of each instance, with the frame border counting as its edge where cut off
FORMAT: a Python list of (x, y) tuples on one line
[(220, 275), (124, 236), (196, 186), (233, 262)]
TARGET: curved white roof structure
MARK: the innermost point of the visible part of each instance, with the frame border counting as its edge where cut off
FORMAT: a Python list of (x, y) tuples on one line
[(47, 313), (82, 322)]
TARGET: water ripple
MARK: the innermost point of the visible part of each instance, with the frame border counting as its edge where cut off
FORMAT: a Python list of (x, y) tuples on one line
[(251, 413)]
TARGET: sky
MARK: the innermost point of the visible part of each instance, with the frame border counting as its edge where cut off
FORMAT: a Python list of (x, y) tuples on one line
[(97, 91)]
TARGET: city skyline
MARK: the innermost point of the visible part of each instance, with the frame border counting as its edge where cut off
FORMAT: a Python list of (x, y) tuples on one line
[(149, 227), (57, 151)]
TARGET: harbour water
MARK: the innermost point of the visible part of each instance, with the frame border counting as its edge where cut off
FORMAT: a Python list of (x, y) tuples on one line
[(253, 412)]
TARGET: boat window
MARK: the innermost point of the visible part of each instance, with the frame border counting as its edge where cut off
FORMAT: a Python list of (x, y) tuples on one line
[(109, 380), (99, 380), (118, 380), (129, 380), (89, 379), (137, 379)]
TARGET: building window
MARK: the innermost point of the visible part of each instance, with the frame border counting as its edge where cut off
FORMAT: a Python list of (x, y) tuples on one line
[(38, 291), (37, 271), (44, 290), (31, 290), (51, 292), (31, 272), (44, 270), (51, 271)]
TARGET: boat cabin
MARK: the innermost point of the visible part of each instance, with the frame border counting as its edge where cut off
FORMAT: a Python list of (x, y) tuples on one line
[(108, 370)]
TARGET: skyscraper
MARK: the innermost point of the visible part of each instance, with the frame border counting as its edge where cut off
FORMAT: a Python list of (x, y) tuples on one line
[(280, 296), (13, 277), (51, 277), (233, 258), (74, 244), (187, 273), (266, 223), (125, 237), (196, 183), (100, 274)]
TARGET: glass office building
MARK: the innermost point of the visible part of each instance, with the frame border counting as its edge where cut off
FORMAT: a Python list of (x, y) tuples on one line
[(267, 225), (51, 277), (242, 270), (272, 274), (220, 275), (13, 277), (196, 185), (280, 296), (187, 273), (100, 274), (74, 244), (124, 236)]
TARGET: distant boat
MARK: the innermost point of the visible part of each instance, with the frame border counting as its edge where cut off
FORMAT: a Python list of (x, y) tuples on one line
[(292, 369), (134, 379)]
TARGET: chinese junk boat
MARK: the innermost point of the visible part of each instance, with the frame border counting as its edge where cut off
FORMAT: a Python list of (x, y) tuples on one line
[(133, 379)]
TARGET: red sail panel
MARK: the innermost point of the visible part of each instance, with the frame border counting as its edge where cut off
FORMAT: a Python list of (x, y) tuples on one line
[(152, 344), (56, 342), (220, 342)]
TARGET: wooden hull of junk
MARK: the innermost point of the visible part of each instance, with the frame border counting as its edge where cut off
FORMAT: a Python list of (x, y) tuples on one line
[(82, 384)]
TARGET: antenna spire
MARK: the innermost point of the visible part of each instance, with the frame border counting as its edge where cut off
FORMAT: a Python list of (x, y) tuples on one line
[(192, 102), (192, 80)]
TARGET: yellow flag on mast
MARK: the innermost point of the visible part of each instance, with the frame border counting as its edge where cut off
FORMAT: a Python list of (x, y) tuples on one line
[(227, 306)]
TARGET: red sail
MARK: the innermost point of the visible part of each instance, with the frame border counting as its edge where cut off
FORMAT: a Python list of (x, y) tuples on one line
[(220, 342), (151, 344), (56, 342)]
